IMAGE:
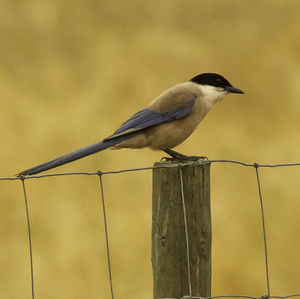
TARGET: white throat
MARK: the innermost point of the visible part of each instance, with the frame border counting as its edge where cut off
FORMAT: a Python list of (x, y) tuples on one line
[(212, 94)]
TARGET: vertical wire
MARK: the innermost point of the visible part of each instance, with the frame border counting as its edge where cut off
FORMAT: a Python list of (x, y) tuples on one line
[(186, 234), (106, 235), (264, 229), (29, 236)]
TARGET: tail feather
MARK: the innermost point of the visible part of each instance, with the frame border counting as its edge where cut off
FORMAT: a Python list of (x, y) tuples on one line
[(85, 151)]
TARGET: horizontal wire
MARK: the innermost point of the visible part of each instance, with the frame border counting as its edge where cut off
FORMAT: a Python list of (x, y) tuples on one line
[(200, 162), (234, 296), (286, 296), (256, 164)]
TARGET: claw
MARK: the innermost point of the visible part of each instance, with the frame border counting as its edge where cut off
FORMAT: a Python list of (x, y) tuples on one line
[(198, 158), (180, 157)]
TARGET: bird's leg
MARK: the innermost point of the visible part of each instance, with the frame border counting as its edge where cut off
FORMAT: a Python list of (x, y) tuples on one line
[(177, 156)]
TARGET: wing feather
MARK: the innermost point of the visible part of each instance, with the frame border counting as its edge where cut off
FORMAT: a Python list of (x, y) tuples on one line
[(148, 118)]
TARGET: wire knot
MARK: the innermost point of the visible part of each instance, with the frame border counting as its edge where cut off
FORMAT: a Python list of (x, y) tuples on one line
[(22, 177)]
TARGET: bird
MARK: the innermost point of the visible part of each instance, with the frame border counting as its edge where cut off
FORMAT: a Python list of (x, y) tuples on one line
[(169, 120)]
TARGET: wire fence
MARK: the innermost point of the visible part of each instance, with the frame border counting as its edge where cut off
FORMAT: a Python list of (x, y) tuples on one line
[(100, 174)]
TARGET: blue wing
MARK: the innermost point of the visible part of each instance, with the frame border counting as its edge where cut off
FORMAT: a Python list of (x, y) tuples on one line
[(148, 118)]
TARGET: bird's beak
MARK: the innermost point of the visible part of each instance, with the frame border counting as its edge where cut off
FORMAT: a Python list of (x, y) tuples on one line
[(233, 89)]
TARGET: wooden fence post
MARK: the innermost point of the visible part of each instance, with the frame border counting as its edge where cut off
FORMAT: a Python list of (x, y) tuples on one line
[(169, 248)]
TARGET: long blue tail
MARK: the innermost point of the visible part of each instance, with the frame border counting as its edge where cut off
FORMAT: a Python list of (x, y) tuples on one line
[(85, 151)]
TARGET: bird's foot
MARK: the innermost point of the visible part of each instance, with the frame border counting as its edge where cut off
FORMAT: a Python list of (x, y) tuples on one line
[(186, 158), (175, 156)]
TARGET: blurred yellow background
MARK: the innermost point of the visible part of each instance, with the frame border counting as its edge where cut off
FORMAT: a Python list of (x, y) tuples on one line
[(72, 71)]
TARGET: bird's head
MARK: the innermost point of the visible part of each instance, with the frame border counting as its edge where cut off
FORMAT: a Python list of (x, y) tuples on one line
[(215, 83)]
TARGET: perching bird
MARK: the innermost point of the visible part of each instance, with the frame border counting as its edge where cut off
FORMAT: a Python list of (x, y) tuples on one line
[(165, 123)]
